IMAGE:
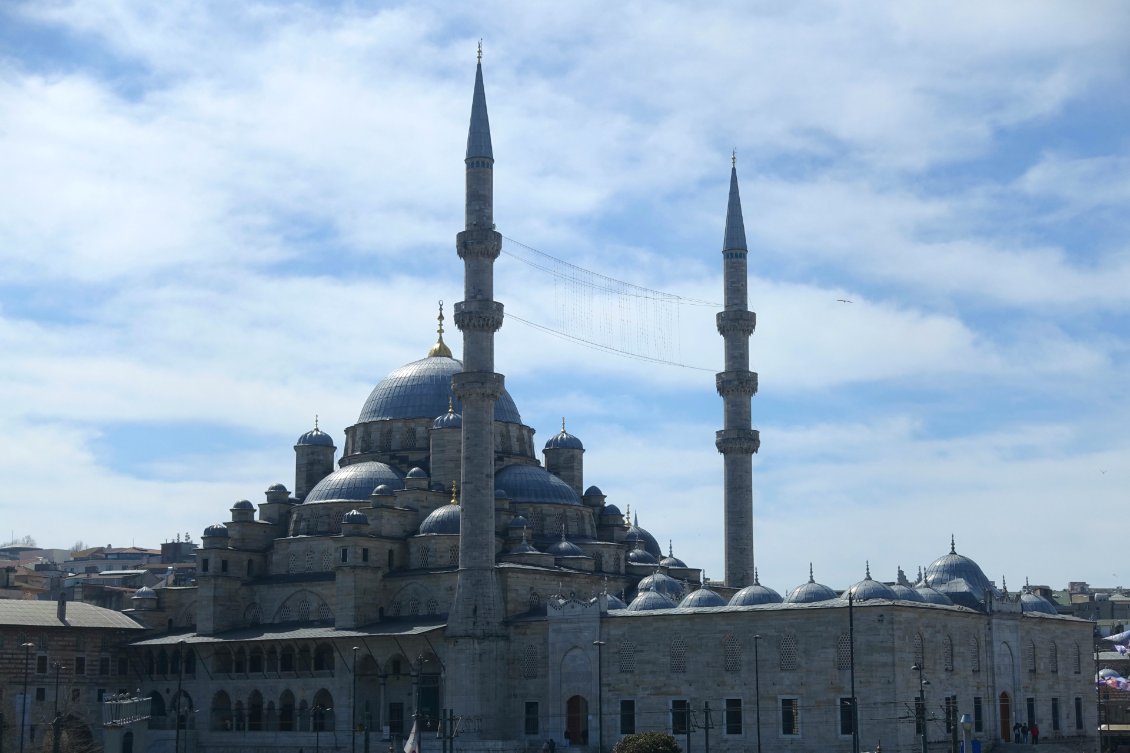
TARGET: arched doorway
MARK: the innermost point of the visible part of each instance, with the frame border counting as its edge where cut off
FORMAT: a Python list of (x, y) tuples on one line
[(127, 742), (1006, 717), (577, 720)]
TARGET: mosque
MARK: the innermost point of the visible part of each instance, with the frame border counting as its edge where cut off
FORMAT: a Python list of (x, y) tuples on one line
[(442, 577)]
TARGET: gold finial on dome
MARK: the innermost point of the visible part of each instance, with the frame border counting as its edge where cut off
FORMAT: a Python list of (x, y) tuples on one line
[(450, 408), (454, 493), (440, 349)]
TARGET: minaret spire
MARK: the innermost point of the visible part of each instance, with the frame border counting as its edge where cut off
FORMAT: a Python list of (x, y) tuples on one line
[(738, 440), (475, 632)]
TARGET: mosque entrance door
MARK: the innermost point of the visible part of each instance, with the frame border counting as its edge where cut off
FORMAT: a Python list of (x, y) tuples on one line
[(1006, 717), (577, 720)]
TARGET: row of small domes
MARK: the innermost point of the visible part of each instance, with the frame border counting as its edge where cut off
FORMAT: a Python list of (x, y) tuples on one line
[(562, 440)]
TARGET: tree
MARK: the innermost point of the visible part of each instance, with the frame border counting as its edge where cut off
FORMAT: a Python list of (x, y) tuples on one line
[(78, 546), (24, 541), (647, 742)]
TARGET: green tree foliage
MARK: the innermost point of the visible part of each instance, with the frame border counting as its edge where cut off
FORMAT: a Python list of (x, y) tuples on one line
[(647, 742)]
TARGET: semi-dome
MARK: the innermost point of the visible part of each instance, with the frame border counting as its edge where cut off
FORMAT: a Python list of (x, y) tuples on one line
[(422, 389), (933, 596), (416, 472), (614, 602), (315, 437), (702, 597), (906, 593), (563, 440), (243, 504), (661, 582), (751, 596), (355, 482), (216, 529), (870, 589), (1032, 602), (532, 483), (610, 510), (355, 516), (810, 592), (954, 566), (443, 520), (648, 600)]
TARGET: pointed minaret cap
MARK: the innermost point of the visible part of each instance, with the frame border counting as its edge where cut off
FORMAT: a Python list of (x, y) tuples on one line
[(478, 137), (735, 225), (440, 348)]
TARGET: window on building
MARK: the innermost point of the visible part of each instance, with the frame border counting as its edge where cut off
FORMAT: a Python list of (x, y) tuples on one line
[(223, 566), (365, 554), (731, 654), (847, 718), (951, 713), (978, 715), (345, 554), (104, 665), (843, 651), (396, 718), (678, 656), (733, 716), (626, 657), (947, 654), (1030, 704), (680, 717), (76, 695), (974, 654), (41, 694), (101, 695), (80, 665), (532, 717), (788, 656), (1055, 715), (41, 665), (627, 717), (790, 716), (1053, 657), (204, 565), (1078, 712)]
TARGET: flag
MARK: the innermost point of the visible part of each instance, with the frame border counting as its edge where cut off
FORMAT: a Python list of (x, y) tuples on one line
[(413, 743)]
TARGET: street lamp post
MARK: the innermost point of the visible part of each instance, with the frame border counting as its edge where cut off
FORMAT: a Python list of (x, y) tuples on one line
[(23, 708), (353, 707), (966, 728), (599, 697), (757, 688), (319, 714), (917, 667)]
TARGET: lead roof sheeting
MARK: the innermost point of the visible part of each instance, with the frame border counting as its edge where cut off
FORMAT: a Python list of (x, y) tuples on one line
[(45, 614), (273, 633)]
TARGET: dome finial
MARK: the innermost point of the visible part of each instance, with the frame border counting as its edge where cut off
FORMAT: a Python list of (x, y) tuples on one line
[(562, 531), (479, 54), (670, 549), (563, 424), (1004, 584), (454, 496), (450, 405), (756, 582), (811, 577), (867, 571), (315, 422), (734, 158), (440, 348)]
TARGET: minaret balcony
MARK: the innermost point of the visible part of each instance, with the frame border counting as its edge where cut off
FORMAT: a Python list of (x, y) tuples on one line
[(736, 383), (478, 316), (477, 384), (737, 441), (478, 243), (736, 322)]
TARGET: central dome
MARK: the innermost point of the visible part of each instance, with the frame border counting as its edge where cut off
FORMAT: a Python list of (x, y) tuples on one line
[(422, 389)]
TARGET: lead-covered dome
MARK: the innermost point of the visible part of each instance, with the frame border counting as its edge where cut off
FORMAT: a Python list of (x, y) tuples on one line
[(648, 600), (810, 592), (355, 482), (661, 582), (563, 440), (906, 593), (756, 594), (702, 597), (315, 437), (870, 589), (532, 483), (422, 389), (442, 520), (1032, 602), (954, 566)]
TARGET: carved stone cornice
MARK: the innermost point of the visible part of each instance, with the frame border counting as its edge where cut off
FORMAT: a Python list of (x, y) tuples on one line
[(736, 322), (478, 316), (478, 243), (738, 383), (737, 441)]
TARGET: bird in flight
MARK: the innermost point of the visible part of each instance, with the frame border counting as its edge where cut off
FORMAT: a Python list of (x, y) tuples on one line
[(843, 300)]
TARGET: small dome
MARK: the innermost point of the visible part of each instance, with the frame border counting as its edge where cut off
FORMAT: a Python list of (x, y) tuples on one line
[(145, 592), (355, 516), (449, 420), (501, 494), (662, 583), (518, 522), (756, 594), (648, 600), (276, 488), (243, 504), (614, 602), (563, 440), (635, 533), (218, 529), (315, 437), (593, 491), (1031, 602), (933, 596), (532, 483), (703, 597), (611, 511), (870, 589), (524, 547), (383, 490), (416, 472), (355, 481), (443, 520), (641, 556), (671, 560), (565, 548), (906, 593), (810, 592)]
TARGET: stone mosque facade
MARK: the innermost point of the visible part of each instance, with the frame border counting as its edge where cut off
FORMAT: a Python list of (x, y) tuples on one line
[(442, 574)]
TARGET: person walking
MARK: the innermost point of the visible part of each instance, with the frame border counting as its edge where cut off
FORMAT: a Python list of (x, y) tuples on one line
[(1024, 733), (1035, 730), (1016, 732)]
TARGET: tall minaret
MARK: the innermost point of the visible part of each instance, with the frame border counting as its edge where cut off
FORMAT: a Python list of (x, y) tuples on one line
[(475, 631), (737, 384)]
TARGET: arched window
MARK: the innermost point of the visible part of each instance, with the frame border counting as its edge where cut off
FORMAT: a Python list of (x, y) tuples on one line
[(626, 656), (304, 660), (221, 712), (731, 653), (240, 661), (919, 658), (1053, 658), (843, 651), (974, 654), (1075, 663), (162, 662), (323, 711), (324, 658), (255, 711), (1030, 656), (286, 712), (678, 655), (787, 655), (947, 654)]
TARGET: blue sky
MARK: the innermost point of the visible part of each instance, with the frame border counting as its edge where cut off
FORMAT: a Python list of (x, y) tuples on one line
[(219, 219)]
